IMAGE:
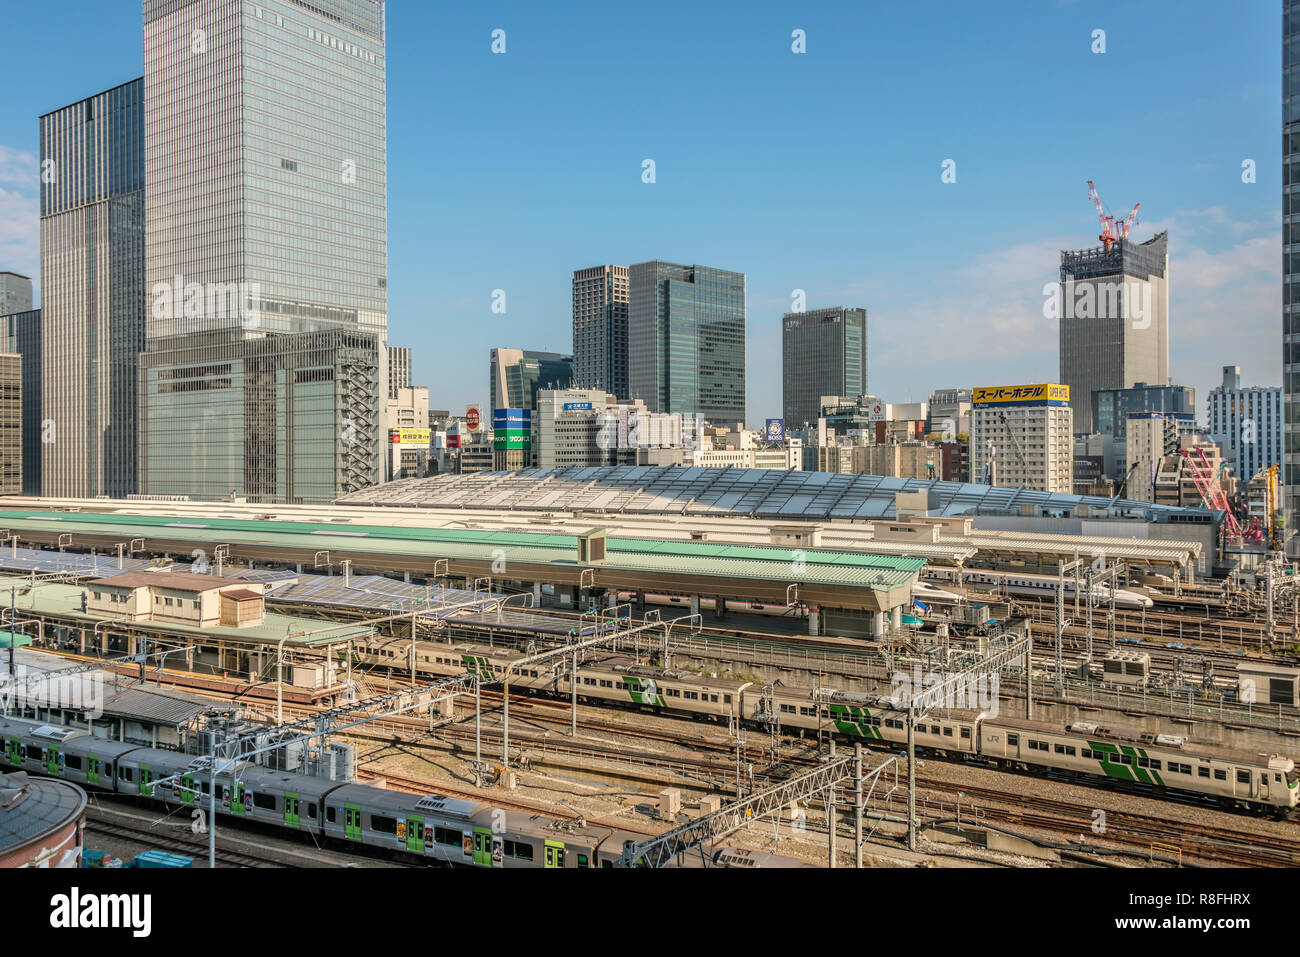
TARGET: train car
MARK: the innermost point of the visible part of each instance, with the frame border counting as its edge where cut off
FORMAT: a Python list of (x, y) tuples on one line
[(734, 606), (1162, 761), (538, 840), (1038, 586), (620, 680), (436, 827), (55, 751), (928, 593)]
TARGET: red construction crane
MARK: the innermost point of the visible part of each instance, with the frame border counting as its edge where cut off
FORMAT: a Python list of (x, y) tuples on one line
[(1212, 494), (1110, 229)]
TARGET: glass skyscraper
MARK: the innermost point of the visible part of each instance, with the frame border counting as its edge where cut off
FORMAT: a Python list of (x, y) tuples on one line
[(823, 352), (516, 375), (266, 216), (92, 292), (686, 339), (1291, 266)]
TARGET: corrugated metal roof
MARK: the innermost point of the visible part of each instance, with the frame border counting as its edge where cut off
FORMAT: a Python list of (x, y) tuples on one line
[(155, 706)]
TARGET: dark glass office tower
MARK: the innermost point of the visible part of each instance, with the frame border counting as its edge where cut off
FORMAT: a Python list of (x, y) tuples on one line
[(92, 292), (1291, 264), (823, 352), (686, 339)]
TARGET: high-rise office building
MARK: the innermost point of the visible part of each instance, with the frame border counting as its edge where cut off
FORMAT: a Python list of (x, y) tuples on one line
[(22, 335), (1026, 432), (1246, 423), (1112, 407), (1114, 320), (265, 154), (399, 369), (15, 293), (92, 292), (515, 376), (11, 424), (686, 339), (823, 352), (600, 328), (1291, 267)]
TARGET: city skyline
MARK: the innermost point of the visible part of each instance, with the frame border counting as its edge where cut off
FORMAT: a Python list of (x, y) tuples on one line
[(961, 263)]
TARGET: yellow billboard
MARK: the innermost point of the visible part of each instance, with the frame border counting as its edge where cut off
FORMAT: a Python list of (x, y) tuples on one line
[(410, 436), (1048, 392)]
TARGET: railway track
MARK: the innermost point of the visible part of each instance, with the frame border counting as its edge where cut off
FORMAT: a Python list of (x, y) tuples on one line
[(119, 826)]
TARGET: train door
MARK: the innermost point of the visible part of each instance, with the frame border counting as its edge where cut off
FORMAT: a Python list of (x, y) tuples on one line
[(291, 810), (415, 834), (53, 760), (92, 769), (12, 752), (352, 821), (554, 854), (482, 846), (187, 788), (146, 781), (1263, 786)]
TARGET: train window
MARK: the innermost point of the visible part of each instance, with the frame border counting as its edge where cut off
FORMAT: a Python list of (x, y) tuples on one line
[(674, 692), (692, 696), (713, 698), (965, 736), (311, 810), (124, 774), (1069, 749), (1220, 774), (329, 814), (1155, 764), (265, 801), (1126, 759), (947, 732), (383, 825), (934, 729), (518, 850), (445, 835), (582, 860), (726, 699), (1276, 777), (812, 711), (74, 761), (1243, 777), (1060, 749), (1087, 754), (1203, 772), (1144, 762), (788, 709), (1013, 740)]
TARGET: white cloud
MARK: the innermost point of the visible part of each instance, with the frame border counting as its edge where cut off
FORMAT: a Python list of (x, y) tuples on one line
[(20, 228)]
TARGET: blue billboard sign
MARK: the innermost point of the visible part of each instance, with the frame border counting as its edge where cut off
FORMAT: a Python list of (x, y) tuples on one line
[(775, 431)]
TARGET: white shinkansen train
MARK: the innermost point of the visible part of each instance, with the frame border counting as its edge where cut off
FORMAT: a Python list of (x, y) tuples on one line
[(1041, 586)]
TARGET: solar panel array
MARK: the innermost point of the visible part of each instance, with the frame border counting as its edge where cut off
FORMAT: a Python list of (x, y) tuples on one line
[(756, 493)]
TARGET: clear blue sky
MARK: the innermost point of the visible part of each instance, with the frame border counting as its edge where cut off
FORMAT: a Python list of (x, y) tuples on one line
[(818, 171)]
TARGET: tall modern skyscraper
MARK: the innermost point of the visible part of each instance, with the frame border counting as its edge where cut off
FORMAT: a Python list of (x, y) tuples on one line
[(686, 339), (1291, 267), (823, 352), (600, 329), (1114, 316), (15, 293), (22, 335), (266, 157), (516, 375), (92, 292)]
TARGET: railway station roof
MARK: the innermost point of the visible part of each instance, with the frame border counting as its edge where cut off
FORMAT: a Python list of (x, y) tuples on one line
[(847, 579), (754, 493)]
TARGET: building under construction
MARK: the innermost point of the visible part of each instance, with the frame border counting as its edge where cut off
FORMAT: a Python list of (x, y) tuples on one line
[(1114, 319)]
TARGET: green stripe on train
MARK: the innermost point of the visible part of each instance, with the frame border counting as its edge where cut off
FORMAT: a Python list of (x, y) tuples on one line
[(643, 691), (853, 721)]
